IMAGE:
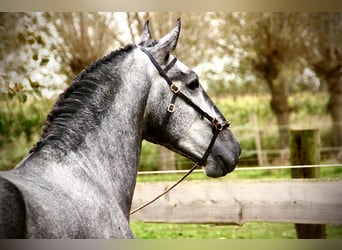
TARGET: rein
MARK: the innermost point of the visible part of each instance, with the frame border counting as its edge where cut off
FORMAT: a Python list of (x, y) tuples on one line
[(217, 126)]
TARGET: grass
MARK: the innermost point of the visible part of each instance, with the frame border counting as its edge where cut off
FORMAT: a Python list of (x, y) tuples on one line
[(326, 172), (251, 230)]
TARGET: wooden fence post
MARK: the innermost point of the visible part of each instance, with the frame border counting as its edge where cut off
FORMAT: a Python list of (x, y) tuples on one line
[(305, 150), (254, 121)]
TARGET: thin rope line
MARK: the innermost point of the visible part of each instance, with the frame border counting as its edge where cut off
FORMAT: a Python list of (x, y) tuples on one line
[(166, 191), (241, 169)]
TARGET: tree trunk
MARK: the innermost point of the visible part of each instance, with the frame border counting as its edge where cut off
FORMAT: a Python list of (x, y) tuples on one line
[(270, 68), (281, 109), (334, 83), (283, 120), (332, 76)]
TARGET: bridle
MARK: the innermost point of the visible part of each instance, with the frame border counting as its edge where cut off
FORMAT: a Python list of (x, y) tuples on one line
[(216, 125)]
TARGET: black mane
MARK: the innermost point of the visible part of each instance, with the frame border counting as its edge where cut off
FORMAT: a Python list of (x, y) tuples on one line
[(80, 106)]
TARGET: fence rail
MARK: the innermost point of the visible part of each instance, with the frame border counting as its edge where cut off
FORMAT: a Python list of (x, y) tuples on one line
[(306, 200), (309, 201)]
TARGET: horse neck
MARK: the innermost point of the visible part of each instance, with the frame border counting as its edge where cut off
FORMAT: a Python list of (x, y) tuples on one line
[(112, 153), (115, 147), (109, 153)]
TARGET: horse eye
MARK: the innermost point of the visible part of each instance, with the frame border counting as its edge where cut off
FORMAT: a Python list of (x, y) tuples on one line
[(194, 84)]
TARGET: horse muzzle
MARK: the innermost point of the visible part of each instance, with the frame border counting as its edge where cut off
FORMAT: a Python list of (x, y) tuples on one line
[(224, 156)]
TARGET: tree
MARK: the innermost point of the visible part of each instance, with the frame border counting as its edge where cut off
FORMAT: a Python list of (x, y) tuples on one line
[(323, 51), (273, 36), (81, 38), (281, 39)]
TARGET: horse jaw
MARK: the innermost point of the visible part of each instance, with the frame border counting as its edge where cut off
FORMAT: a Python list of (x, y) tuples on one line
[(223, 156)]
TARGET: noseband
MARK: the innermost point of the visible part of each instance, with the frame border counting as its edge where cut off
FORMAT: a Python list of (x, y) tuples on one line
[(217, 126)]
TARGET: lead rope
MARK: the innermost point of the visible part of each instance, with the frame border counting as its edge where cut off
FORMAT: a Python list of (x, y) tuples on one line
[(197, 164), (166, 191)]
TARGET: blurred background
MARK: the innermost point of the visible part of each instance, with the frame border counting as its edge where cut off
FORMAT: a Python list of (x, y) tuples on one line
[(267, 72)]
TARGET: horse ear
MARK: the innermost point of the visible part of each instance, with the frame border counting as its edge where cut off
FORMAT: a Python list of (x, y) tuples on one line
[(146, 34), (168, 43)]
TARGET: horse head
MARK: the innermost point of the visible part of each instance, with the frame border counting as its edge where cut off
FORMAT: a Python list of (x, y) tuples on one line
[(179, 114)]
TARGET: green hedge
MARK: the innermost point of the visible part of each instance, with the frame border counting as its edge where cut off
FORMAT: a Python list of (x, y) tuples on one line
[(21, 123), (20, 127)]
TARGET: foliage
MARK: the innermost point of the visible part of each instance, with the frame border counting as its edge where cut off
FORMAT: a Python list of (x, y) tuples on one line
[(20, 127), (81, 38), (24, 120), (326, 60), (309, 111), (25, 55), (227, 49)]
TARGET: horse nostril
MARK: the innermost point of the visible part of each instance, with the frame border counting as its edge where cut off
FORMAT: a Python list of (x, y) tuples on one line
[(239, 151)]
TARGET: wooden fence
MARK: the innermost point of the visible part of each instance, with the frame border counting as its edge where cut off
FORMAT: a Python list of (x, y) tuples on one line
[(312, 201), (305, 200)]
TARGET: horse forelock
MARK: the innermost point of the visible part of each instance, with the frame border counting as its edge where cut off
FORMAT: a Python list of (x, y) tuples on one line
[(78, 93)]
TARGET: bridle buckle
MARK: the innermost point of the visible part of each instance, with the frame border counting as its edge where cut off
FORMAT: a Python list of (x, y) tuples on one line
[(171, 108), (219, 126), (174, 88)]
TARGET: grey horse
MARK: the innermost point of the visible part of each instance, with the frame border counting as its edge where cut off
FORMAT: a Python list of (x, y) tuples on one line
[(78, 180)]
